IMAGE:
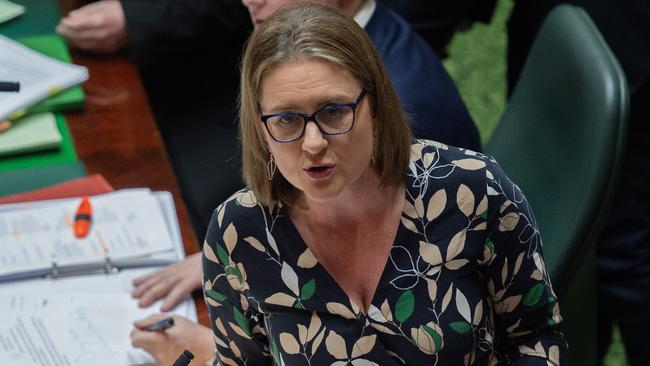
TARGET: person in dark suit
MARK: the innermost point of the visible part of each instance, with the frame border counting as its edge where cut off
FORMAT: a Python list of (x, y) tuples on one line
[(425, 89), (624, 244), (186, 52), (438, 21)]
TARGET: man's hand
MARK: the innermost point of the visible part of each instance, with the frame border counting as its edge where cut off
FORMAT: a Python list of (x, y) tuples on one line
[(98, 27)]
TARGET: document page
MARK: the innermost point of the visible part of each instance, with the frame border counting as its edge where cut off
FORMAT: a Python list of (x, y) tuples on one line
[(76, 321), (125, 224), (39, 76)]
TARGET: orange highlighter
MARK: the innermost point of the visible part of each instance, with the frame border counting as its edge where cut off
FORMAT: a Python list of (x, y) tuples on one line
[(83, 218)]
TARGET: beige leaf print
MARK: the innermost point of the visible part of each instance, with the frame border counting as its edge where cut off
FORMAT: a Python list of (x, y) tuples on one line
[(478, 313), (314, 326), (416, 152), (507, 305), (423, 340), (554, 355), (456, 264), (227, 361), (465, 200), (430, 253), (289, 344), (508, 222), (504, 271), (463, 306), (255, 243), (220, 326), (211, 301), (271, 240), (220, 215), (469, 164), (385, 310), (419, 206), (363, 345), (409, 209), (518, 262), (375, 314), (382, 328), (436, 204), (219, 341), (307, 259), (209, 253), (335, 345), (482, 206), (447, 298), (230, 238), (409, 225), (537, 275), (340, 309), (432, 288), (302, 334), (428, 159), (290, 278), (238, 330), (235, 350), (456, 245), (317, 341), (363, 362), (281, 298)]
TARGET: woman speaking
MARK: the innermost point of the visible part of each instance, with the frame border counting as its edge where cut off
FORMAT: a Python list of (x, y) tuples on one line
[(353, 244)]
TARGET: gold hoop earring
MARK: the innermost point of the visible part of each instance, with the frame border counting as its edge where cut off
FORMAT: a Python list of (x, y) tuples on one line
[(271, 167)]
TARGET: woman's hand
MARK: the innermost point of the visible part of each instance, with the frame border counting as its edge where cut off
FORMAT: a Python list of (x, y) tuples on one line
[(174, 282), (166, 345)]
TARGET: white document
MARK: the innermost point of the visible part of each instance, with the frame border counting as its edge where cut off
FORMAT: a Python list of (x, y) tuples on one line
[(9, 10), (128, 225), (39, 76), (83, 320)]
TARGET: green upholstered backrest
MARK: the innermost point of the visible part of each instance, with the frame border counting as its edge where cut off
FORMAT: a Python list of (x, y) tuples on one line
[(562, 134)]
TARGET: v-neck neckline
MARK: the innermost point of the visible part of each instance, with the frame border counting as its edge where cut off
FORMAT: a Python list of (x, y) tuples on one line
[(383, 281)]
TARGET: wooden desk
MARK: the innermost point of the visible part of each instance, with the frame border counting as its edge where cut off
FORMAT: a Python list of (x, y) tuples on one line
[(116, 135)]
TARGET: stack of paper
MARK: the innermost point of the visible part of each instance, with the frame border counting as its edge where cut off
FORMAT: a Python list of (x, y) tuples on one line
[(39, 76), (32, 133), (83, 317)]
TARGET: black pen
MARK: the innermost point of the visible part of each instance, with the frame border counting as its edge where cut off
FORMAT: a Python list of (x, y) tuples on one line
[(161, 324), (9, 86)]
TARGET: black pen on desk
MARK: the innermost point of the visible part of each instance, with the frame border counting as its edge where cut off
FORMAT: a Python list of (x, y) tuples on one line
[(161, 324), (9, 86)]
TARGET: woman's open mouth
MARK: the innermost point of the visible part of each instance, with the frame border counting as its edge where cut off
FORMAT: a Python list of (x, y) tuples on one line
[(319, 171)]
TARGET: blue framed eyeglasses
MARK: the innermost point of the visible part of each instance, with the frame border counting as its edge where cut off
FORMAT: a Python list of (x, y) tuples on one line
[(331, 120)]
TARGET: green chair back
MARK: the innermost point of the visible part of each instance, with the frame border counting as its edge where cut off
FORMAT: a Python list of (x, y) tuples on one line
[(560, 140)]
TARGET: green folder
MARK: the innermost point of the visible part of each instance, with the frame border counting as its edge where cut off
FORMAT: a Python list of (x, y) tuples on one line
[(66, 154), (54, 46), (27, 179), (41, 17)]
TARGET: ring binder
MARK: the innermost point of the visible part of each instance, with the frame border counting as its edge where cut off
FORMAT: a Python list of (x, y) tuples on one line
[(56, 271)]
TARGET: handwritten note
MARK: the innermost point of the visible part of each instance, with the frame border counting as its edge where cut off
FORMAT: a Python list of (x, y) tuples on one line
[(73, 322)]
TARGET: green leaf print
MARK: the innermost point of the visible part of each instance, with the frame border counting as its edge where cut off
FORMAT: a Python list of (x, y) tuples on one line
[(533, 295), (461, 327), (222, 254), (275, 352), (216, 295), (308, 290), (241, 320), (404, 306), (437, 339)]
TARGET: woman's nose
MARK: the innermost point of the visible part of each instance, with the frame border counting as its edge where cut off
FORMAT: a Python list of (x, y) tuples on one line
[(313, 141)]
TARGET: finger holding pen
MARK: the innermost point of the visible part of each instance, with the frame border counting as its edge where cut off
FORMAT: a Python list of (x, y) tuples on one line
[(166, 344)]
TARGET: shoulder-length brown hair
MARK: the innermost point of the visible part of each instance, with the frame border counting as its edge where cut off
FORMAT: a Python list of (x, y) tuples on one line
[(309, 30)]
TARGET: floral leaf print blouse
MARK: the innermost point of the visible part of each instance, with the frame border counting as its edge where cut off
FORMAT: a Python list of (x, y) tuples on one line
[(465, 282)]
